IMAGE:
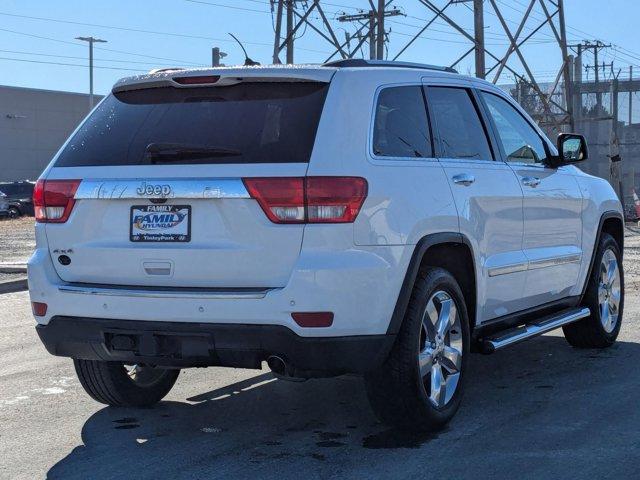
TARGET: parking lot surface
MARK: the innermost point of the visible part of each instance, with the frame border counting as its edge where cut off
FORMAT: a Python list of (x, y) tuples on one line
[(537, 410)]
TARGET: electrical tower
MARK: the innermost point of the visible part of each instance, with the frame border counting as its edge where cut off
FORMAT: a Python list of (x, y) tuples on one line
[(557, 108), (298, 14), (556, 103)]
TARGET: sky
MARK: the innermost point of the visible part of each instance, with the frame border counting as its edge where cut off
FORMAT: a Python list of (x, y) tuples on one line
[(38, 47)]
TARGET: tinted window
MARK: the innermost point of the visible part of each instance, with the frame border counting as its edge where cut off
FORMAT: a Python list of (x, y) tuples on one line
[(243, 123), (401, 126), (521, 143), (461, 132)]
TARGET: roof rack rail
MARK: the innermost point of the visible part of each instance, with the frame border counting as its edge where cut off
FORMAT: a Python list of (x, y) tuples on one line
[(360, 62)]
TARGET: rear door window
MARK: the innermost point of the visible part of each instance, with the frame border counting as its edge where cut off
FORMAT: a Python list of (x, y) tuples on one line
[(462, 133), (401, 127), (271, 122)]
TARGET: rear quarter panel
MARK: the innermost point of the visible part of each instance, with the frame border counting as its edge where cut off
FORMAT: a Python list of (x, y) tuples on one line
[(407, 198)]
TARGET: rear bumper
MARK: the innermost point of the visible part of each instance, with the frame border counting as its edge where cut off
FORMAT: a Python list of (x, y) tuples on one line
[(179, 344)]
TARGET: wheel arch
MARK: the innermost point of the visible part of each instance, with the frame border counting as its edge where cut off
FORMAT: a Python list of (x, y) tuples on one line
[(449, 250), (611, 222)]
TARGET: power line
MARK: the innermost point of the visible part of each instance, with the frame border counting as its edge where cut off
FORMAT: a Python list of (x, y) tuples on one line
[(99, 48), (69, 64), (73, 57)]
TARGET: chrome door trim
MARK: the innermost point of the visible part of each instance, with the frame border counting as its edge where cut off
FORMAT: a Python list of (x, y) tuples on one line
[(138, 188), (554, 261), (535, 264), (150, 292), (507, 269)]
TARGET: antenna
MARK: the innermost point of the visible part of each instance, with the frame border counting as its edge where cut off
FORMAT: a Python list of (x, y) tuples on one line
[(247, 61)]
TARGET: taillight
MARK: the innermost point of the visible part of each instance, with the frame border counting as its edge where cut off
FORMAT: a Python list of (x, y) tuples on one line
[(309, 199), (53, 200)]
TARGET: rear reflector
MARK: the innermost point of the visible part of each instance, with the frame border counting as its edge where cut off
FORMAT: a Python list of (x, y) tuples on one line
[(309, 199), (199, 80), (39, 309), (53, 200), (313, 319)]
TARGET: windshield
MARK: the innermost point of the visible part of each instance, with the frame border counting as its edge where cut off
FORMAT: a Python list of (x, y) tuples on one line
[(244, 123)]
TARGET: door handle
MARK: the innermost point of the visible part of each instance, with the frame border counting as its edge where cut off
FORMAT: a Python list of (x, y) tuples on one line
[(465, 179), (531, 181)]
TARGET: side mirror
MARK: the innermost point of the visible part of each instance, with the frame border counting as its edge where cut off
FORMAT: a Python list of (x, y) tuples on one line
[(571, 148)]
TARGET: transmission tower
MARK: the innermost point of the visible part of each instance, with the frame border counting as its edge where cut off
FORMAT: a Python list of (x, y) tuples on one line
[(292, 16), (556, 113)]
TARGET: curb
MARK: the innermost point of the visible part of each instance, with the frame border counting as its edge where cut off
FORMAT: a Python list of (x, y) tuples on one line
[(12, 286), (13, 268)]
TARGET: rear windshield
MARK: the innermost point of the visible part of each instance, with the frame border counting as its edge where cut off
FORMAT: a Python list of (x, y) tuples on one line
[(243, 123)]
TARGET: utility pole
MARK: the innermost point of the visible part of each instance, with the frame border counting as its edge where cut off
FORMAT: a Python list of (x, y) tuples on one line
[(91, 41), (596, 47), (381, 32), (216, 56), (278, 32), (290, 5), (374, 18), (630, 95), (478, 27)]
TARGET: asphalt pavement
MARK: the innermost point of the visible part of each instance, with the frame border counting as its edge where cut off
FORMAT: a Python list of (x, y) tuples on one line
[(540, 409)]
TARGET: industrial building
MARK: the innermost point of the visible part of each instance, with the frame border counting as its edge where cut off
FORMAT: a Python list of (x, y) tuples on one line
[(33, 125)]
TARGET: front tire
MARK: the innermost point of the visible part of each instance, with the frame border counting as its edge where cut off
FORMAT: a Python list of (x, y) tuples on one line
[(604, 297), (117, 385), (420, 385)]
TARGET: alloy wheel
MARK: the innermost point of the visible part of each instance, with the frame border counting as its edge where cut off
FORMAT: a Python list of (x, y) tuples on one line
[(609, 291), (440, 353)]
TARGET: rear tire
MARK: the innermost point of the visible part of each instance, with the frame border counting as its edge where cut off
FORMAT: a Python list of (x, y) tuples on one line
[(14, 212), (114, 384), (604, 297), (420, 385)]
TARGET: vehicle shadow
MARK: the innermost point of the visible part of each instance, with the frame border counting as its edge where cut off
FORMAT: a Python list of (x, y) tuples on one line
[(538, 409)]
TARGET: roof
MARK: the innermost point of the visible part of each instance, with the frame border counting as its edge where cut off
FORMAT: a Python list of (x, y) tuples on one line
[(231, 75)]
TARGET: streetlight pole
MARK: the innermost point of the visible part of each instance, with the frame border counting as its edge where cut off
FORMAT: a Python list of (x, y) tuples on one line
[(91, 41)]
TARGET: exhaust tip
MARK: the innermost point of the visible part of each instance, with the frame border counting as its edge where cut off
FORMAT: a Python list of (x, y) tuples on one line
[(277, 365)]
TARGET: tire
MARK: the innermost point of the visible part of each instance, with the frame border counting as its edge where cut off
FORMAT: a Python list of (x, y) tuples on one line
[(398, 392), (112, 384), (14, 212), (602, 327)]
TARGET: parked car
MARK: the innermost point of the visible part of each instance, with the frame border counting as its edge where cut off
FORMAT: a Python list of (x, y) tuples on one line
[(19, 196), (365, 217), (4, 206)]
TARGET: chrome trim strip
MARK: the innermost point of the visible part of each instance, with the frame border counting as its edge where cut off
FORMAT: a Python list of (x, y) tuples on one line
[(506, 269), (535, 329), (535, 264), (131, 188), (150, 293), (554, 261)]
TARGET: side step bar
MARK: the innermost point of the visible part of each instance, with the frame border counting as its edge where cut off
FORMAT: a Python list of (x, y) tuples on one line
[(533, 329)]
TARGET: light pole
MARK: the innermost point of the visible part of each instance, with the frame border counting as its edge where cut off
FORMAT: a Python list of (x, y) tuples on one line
[(91, 41)]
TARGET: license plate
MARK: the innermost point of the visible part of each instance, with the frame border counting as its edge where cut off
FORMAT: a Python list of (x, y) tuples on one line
[(160, 223)]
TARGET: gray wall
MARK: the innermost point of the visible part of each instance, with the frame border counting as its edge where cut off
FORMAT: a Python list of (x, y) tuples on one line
[(33, 126)]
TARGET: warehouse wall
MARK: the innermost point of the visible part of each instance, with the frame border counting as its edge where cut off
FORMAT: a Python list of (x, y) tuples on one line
[(33, 126)]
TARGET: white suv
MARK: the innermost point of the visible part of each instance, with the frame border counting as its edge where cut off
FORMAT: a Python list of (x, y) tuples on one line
[(363, 217)]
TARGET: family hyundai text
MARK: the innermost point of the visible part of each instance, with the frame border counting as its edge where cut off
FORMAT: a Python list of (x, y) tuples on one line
[(366, 217)]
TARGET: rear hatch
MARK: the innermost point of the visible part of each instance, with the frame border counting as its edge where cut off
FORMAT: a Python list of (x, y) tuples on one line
[(162, 199)]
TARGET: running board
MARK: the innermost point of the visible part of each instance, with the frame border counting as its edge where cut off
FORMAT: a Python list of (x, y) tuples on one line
[(533, 329)]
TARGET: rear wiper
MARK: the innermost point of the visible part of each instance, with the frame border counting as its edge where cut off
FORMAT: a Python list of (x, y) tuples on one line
[(169, 152)]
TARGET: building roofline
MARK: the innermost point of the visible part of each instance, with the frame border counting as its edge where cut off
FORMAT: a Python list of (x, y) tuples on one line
[(44, 90)]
